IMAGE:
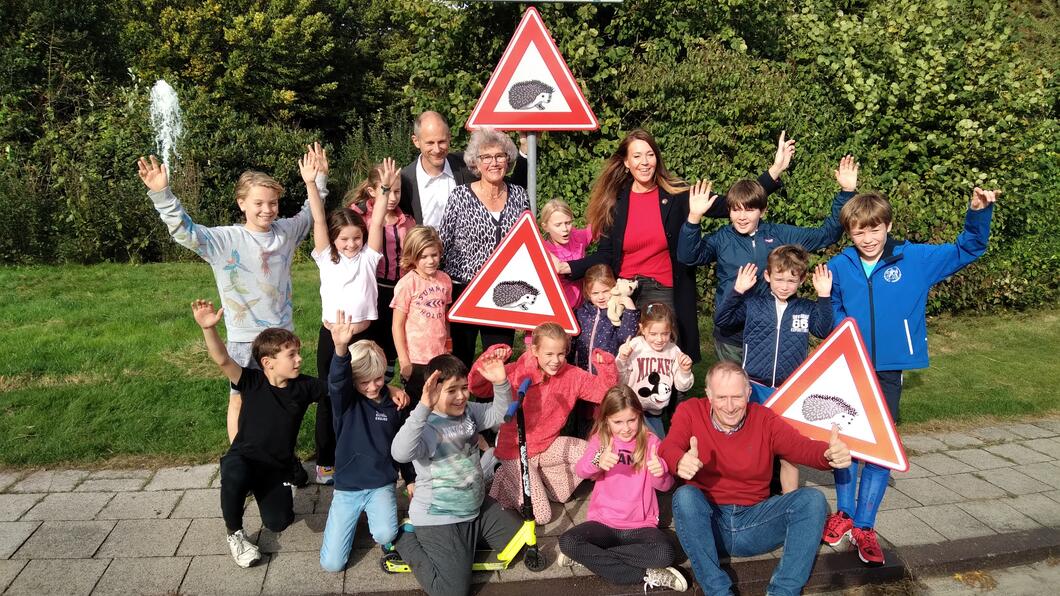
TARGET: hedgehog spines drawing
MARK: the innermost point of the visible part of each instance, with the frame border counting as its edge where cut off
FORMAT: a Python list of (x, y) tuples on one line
[(817, 407), (525, 95), (515, 294)]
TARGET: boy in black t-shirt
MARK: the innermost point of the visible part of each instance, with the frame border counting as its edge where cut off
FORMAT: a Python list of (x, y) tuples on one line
[(261, 458)]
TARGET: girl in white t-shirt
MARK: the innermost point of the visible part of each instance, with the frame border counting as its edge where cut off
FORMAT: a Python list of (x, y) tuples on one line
[(347, 251)]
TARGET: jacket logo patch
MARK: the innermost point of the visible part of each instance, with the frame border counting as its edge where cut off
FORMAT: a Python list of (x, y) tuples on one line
[(892, 274), (800, 323), (381, 417), (769, 240)]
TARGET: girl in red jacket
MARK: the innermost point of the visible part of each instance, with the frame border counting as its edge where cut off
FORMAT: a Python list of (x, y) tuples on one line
[(555, 386)]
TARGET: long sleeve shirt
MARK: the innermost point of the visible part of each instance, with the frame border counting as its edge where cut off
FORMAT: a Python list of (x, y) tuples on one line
[(624, 497), (652, 375)]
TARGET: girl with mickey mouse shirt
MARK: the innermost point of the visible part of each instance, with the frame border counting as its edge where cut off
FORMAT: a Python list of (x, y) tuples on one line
[(653, 366)]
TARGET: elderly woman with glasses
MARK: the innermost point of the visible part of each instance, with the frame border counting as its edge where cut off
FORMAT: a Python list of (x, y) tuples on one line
[(477, 216)]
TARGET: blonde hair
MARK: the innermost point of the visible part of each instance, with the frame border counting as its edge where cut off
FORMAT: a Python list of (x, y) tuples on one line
[(417, 240), (551, 208), (252, 178), (868, 209), (367, 360), (551, 331), (616, 399)]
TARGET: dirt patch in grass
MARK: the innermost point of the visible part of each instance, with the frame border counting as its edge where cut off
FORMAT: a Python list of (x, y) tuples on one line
[(16, 382), (954, 426)]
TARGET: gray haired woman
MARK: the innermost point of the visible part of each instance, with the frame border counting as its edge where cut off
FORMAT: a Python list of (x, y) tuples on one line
[(477, 216)]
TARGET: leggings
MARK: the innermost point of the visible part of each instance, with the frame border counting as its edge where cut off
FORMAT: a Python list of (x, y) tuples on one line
[(619, 556), (552, 478)]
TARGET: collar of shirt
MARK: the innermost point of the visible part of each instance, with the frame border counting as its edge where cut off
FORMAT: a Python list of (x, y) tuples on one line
[(427, 179), (730, 431)]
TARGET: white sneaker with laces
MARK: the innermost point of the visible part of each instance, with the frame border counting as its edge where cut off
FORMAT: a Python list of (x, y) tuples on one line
[(664, 577), (564, 561), (244, 552)]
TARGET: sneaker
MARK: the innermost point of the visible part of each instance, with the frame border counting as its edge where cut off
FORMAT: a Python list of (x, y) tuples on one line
[(564, 561), (665, 577), (325, 475), (243, 550), (836, 528), (869, 550)]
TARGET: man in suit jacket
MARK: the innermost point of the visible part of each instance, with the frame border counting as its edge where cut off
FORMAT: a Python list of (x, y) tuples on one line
[(428, 180)]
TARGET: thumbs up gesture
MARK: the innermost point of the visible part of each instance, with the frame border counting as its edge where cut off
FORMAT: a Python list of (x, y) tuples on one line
[(689, 464), (837, 454), (608, 457), (654, 465)]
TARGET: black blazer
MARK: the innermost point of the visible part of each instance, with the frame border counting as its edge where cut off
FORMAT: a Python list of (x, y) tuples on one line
[(410, 190), (674, 210)]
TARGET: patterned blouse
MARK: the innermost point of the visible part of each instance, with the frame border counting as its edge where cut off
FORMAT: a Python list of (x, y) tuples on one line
[(470, 233)]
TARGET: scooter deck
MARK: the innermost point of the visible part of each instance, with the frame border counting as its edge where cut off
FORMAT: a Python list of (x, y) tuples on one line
[(485, 560)]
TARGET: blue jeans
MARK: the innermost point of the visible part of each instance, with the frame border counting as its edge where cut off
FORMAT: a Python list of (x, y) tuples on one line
[(380, 504), (708, 532), (655, 424)]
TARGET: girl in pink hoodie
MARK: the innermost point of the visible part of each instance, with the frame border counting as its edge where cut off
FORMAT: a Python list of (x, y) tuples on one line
[(555, 386), (565, 242), (620, 539)]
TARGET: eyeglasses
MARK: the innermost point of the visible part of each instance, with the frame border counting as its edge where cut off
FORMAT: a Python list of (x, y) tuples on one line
[(500, 157)]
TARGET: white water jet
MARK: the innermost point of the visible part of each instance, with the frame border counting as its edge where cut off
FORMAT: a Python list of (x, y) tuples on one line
[(166, 120)]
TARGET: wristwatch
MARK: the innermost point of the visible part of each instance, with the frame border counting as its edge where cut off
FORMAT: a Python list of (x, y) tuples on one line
[(385, 189)]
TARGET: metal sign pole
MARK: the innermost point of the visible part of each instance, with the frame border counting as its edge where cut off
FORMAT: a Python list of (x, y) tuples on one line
[(531, 170)]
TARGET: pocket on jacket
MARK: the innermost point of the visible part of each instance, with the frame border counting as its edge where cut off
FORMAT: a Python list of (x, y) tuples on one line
[(908, 336)]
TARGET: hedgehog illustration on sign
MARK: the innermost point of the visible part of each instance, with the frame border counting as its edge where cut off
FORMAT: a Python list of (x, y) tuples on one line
[(515, 294), (525, 95), (819, 407)]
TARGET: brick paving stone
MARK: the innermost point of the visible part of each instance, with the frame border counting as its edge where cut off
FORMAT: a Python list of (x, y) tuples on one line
[(6, 480), (941, 464), (142, 575), (922, 444), (1013, 481), (14, 505), (999, 515), (902, 528), (1028, 431), (183, 477), (812, 477), (305, 534), (326, 493), (363, 570), (577, 511), (12, 535), (300, 573), (206, 536), (141, 505), (927, 492), (1040, 508), (69, 506), (64, 540), (1018, 453), (305, 499), (970, 486), (1053, 426), (69, 577), (896, 499), (8, 571), (144, 538), (549, 546), (218, 574), (93, 485), (1050, 447), (1053, 494), (141, 473), (914, 471), (199, 502), (561, 522), (979, 459), (994, 434), (959, 440), (951, 521), (49, 481), (1047, 472)]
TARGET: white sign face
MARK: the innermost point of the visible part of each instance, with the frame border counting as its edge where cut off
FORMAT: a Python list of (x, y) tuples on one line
[(518, 287), (833, 398), (532, 87)]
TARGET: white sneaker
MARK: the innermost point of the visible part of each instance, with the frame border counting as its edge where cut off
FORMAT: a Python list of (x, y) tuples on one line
[(665, 577), (564, 561), (244, 552)]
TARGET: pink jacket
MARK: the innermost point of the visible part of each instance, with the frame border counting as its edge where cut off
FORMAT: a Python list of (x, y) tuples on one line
[(573, 250), (624, 497), (548, 402), (389, 270)]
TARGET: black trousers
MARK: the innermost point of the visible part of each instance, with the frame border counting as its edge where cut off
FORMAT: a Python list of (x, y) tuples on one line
[(240, 477), (466, 336), (619, 556), (381, 331)]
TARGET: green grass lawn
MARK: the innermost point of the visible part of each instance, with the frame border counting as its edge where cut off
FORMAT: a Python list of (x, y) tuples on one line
[(105, 363)]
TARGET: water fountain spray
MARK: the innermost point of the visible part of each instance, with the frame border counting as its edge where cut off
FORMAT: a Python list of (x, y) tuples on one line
[(165, 119)]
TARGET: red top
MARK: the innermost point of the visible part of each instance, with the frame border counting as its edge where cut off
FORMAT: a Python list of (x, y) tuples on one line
[(737, 467), (644, 248)]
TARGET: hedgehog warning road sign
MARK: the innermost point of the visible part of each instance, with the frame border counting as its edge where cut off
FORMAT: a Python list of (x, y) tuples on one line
[(517, 288), (837, 385), (532, 89)]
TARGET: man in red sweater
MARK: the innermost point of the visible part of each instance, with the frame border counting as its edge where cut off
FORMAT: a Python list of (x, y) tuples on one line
[(724, 447)]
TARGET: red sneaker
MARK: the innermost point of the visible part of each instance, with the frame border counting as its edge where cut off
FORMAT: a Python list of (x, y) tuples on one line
[(869, 550), (836, 528)]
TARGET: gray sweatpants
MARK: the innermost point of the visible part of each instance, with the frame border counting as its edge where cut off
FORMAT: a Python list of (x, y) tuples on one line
[(441, 556)]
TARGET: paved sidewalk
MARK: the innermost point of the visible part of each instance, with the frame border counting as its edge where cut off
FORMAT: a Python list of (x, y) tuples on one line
[(989, 492)]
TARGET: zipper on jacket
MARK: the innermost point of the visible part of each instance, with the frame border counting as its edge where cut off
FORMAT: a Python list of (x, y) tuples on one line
[(776, 348), (908, 337), (872, 323), (592, 341)]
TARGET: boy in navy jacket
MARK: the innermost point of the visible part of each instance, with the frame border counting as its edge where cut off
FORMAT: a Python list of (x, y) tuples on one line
[(749, 240), (884, 283), (367, 415)]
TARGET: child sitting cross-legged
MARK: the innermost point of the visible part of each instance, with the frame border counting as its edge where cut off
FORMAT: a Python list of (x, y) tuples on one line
[(261, 458), (449, 509), (366, 416)]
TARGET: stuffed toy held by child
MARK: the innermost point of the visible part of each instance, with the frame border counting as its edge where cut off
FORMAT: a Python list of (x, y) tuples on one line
[(620, 300)]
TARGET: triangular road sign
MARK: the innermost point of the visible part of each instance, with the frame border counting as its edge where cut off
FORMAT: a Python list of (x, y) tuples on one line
[(517, 287), (532, 88), (837, 384)]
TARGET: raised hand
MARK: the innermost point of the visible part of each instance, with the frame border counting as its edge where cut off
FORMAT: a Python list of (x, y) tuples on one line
[(837, 454), (492, 369), (684, 362), (981, 198), (502, 352), (320, 156), (608, 458), (400, 398), (700, 200), (152, 173), (432, 390), (654, 465), (689, 464), (204, 313), (342, 330), (307, 166), (822, 281), (782, 159), (388, 174), (626, 348), (746, 278), (847, 173)]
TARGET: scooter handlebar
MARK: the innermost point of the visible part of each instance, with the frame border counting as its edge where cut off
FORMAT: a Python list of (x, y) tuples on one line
[(514, 406)]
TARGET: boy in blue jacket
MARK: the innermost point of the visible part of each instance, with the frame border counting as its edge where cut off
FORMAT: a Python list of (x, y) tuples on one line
[(749, 240), (367, 415), (884, 283)]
